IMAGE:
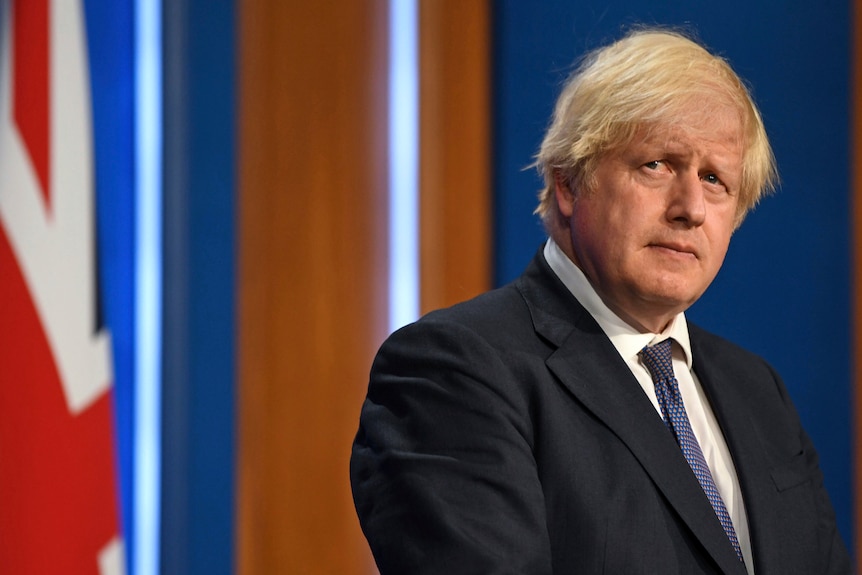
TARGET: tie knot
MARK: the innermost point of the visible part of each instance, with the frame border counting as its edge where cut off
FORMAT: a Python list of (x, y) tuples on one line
[(658, 359)]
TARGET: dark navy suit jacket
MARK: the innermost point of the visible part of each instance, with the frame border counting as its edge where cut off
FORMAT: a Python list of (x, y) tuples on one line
[(506, 435)]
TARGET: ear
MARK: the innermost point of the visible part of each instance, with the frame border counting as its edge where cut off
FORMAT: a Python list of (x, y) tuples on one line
[(564, 194)]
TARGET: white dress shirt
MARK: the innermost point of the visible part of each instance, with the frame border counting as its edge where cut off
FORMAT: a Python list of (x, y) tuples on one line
[(628, 341)]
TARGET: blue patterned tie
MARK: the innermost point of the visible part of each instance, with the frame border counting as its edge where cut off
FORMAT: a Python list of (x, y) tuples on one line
[(658, 361)]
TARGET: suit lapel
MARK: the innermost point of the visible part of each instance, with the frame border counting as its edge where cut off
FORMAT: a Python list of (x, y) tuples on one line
[(723, 386), (589, 366)]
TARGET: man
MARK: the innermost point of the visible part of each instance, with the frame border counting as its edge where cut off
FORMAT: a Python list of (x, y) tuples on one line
[(573, 421)]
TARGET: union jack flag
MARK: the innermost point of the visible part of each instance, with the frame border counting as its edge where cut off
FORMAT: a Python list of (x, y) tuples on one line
[(58, 477)]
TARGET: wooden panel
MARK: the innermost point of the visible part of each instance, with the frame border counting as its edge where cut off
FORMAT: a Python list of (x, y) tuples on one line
[(312, 274), (455, 151)]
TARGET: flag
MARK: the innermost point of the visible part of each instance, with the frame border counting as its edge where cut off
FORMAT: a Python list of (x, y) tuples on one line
[(58, 476)]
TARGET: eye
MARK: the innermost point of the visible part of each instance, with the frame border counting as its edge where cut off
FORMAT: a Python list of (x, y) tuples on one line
[(712, 179), (654, 165)]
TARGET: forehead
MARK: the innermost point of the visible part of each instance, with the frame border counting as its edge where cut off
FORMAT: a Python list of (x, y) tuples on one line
[(709, 128)]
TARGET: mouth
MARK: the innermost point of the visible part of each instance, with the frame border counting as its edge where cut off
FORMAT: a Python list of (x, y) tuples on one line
[(675, 249)]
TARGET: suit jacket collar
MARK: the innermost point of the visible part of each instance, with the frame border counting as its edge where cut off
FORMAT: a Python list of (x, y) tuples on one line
[(588, 365)]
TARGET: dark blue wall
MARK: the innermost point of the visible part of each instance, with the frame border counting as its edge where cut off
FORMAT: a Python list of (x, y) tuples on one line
[(198, 320), (784, 291), (197, 520)]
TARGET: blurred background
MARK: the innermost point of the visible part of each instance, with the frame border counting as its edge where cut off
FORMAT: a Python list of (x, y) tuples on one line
[(273, 186)]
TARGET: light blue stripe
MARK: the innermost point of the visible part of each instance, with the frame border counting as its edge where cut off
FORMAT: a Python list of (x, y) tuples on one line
[(403, 163), (148, 122)]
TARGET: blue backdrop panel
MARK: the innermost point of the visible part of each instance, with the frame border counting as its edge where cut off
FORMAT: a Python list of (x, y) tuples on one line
[(198, 394), (110, 45), (784, 291)]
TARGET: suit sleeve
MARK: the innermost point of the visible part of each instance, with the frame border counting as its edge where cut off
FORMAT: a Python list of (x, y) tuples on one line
[(442, 469)]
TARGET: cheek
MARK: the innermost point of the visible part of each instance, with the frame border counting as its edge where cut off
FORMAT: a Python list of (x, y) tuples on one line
[(719, 251), (720, 235), (598, 227), (612, 214), (718, 245), (609, 228)]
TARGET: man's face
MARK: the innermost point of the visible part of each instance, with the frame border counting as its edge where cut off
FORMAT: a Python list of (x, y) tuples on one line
[(653, 231)]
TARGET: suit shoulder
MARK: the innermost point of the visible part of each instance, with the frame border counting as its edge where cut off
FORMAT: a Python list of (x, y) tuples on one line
[(718, 345), (495, 311), (717, 355)]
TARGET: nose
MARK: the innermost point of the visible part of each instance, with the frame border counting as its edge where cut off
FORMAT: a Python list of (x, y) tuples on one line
[(686, 200)]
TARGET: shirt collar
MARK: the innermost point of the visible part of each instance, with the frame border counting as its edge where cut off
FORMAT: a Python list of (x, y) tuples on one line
[(625, 338)]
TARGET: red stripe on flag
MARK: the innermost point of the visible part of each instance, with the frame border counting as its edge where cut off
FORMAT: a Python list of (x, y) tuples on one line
[(30, 108), (58, 495)]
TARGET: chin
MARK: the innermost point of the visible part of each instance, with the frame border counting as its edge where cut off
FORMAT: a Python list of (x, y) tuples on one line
[(682, 288), (669, 301)]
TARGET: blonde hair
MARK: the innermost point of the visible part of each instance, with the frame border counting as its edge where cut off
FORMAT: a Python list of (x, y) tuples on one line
[(644, 79)]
